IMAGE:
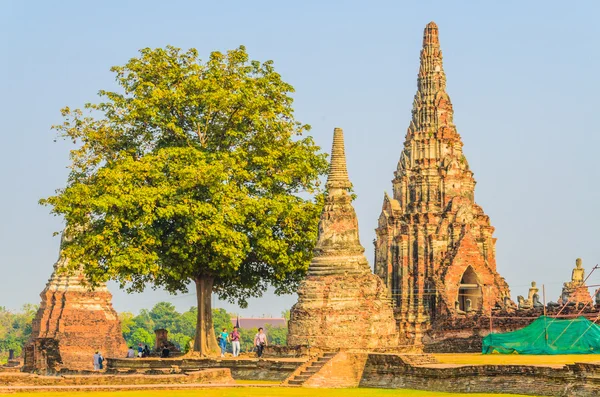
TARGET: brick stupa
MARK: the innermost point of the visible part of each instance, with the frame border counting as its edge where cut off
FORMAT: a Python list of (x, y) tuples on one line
[(71, 324), (435, 248), (341, 303)]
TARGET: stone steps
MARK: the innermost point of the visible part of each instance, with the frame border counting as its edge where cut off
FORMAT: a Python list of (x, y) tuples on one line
[(297, 379)]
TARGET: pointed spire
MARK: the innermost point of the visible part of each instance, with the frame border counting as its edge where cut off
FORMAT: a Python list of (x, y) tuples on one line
[(431, 72), (338, 172), (430, 35), (338, 250)]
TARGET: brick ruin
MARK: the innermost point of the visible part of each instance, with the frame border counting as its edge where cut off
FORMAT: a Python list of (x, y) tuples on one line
[(71, 324), (341, 303), (435, 248), (434, 245)]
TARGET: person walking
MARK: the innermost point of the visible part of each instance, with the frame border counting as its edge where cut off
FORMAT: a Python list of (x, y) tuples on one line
[(260, 341), (100, 361), (97, 361), (223, 338), (235, 342)]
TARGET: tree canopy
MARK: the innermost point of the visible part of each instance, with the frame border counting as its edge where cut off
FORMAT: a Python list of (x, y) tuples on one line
[(193, 172)]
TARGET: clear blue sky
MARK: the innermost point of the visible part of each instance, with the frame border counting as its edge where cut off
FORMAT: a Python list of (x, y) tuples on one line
[(522, 75)]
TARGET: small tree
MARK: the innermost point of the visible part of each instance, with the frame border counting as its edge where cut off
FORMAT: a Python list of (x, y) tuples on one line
[(192, 173)]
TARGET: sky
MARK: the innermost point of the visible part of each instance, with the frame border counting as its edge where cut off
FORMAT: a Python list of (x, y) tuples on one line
[(522, 76)]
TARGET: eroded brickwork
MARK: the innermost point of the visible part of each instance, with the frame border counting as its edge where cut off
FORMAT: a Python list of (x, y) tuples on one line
[(71, 324), (341, 303), (435, 248)]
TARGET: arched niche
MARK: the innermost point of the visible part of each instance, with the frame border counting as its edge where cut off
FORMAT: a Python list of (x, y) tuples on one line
[(470, 296)]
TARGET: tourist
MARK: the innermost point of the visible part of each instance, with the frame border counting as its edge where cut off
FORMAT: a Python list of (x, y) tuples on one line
[(260, 341), (165, 352), (235, 342), (146, 351), (100, 361), (130, 352), (140, 350), (223, 338), (97, 361)]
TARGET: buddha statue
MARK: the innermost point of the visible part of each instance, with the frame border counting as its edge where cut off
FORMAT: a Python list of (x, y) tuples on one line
[(532, 291), (575, 291), (578, 274)]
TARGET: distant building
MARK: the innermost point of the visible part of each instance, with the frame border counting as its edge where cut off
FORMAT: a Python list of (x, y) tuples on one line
[(255, 323)]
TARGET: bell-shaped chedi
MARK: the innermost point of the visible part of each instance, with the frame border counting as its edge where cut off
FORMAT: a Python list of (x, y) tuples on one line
[(435, 248), (341, 303), (71, 324)]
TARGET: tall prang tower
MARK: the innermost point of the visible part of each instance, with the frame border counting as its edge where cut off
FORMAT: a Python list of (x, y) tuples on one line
[(435, 248)]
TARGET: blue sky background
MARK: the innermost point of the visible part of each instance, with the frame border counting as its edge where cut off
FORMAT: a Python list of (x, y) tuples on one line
[(522, 75)]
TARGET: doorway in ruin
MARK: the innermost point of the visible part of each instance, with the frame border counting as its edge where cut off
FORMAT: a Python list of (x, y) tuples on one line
[(470, 297)]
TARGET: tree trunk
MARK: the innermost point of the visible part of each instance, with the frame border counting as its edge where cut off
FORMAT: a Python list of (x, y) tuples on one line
[(205, 342)]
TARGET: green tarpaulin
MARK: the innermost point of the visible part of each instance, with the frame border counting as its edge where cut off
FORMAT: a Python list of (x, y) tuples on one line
[(548, 335)]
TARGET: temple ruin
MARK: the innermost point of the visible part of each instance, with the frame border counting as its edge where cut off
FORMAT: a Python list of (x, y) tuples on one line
[(71, 324), (341, 303), (435, 248)]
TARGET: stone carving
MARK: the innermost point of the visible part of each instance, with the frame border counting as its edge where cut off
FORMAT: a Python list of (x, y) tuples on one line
[(533, 296), (162, 341), (431, 231), (71, 324), (524, 303), (575, 291), (341, 301)]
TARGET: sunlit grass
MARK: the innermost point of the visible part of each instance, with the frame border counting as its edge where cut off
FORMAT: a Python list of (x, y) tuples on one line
[(516, 359), (266, 392)]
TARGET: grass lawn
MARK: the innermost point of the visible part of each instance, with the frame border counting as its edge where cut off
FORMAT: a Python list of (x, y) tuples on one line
[(517, 359), (265, 392)]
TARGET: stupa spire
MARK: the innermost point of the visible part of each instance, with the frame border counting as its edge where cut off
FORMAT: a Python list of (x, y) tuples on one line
[(431, 72), (338, 172), (338, 248)]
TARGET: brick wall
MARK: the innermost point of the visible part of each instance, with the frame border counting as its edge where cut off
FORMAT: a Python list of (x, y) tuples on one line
[(390, 371)]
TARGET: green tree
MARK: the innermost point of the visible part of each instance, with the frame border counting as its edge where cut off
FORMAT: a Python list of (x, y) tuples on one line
[(164, 315), (127, 323), (142, 336), (221, 319), (276, 335), (15, 329), (186, 324), (193, 172)]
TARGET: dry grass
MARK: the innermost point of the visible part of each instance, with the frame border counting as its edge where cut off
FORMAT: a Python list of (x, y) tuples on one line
[(266, 392), (516, 359)]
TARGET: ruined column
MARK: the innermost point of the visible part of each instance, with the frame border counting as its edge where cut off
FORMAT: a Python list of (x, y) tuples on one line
[(71, 324)]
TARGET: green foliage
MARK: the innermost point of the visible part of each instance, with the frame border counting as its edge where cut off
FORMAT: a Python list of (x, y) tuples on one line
[(181, 326), (221, 319), (143, 336), (276, 335), (247, 339), (164, 315), (192, 171), (15, 329)]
